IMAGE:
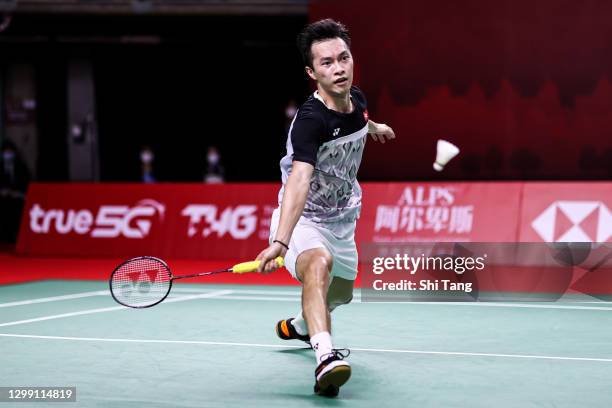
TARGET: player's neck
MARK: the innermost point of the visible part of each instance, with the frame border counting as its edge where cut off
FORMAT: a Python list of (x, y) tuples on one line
[(340, 104)]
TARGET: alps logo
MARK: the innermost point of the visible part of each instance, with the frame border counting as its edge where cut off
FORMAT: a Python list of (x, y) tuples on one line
[(110, 221), (427, 196), (424, 208), (574, 221)]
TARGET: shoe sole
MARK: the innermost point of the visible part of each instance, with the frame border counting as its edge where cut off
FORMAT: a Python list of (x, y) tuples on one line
[(331, 381), (278, 333)]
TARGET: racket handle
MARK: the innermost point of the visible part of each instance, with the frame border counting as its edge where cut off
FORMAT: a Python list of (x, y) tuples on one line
[(253, 265)]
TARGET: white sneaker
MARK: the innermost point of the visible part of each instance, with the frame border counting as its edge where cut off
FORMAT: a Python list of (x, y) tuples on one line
[(332, 373)]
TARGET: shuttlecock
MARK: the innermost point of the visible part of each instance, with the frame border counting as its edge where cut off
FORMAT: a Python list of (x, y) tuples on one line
[(445, 152)]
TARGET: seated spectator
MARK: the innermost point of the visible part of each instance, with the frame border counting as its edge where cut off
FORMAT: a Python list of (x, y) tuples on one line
[(14, 179), (214, 170)]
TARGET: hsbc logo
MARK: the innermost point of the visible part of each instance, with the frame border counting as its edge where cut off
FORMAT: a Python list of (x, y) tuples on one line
[(110, 221), (239, 222), (574, 221)]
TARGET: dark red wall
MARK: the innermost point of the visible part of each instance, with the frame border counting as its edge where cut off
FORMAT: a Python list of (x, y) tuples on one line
[(524, 88)]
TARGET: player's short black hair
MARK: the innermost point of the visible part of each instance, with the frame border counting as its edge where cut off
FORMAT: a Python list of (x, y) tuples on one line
[(318, 31)]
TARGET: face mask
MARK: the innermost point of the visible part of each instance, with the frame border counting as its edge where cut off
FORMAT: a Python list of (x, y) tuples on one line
[(213, 158), (146, 157), (8, 155), (290, 112)]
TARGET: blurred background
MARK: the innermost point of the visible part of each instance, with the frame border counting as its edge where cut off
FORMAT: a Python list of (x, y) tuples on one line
[(203, 91), (87, 84)]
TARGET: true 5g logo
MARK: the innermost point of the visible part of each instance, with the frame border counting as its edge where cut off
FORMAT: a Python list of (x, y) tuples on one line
[(240, 222), (111, 221)]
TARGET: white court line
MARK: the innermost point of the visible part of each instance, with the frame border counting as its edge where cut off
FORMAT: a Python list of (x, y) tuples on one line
[(495, 304), (279, 346), (264, 298), (110, 309), (242, 291), (239, 292), (357, 297), (107, 292), (467, 304), (55, 298)]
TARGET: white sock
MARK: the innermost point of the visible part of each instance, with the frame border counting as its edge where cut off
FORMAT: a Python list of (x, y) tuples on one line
[(321, 344), (300, 325)]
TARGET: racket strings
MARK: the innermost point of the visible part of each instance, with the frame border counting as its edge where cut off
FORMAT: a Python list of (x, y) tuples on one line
[(141, 282)]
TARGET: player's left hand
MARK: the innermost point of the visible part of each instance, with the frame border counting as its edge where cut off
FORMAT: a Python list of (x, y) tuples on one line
[(381, 132)]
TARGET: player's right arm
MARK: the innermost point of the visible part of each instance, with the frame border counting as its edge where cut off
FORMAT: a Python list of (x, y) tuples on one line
[(305, 135), (294, 199), (292, 205)]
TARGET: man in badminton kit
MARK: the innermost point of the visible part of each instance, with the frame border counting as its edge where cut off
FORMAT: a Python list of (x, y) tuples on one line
[(320, 200)]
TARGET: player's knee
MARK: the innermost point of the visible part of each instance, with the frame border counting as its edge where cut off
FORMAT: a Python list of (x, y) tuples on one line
[(319, 261), (323, 263), (315, 267), (318, 270)]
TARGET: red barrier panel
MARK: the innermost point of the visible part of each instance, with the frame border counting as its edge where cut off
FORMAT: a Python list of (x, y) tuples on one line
[(566, 212), (170, 220), (460, 212), (231, 221)]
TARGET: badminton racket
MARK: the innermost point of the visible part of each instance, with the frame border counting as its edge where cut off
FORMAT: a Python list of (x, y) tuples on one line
[(146, 281)]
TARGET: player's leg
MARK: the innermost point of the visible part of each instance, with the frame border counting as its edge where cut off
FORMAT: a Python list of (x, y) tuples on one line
[(344, 271), (304, 238), (310, 262), (340, 292), (314, 268)]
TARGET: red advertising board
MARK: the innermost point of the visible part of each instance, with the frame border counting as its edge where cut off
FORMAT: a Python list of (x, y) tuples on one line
[(231, 221), (179, 220), (460, 212), (566, 212)]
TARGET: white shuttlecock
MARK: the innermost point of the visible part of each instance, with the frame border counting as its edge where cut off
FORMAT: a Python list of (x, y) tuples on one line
[(445, 152)]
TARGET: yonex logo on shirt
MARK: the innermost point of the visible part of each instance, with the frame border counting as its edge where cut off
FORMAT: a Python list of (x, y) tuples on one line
[(336, 131)]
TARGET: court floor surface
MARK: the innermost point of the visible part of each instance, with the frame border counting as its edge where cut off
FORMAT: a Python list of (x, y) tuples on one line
[(215, 346)]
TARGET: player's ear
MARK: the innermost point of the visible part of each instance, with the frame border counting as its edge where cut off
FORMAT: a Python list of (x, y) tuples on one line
[(311, 73)]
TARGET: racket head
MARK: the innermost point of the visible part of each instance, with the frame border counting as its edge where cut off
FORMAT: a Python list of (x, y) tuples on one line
[(141, 282)]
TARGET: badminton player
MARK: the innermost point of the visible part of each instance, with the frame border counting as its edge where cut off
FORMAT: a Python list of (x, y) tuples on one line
[(320, 200)]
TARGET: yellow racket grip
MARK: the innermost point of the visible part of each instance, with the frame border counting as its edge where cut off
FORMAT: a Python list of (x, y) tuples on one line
[(253, 265)]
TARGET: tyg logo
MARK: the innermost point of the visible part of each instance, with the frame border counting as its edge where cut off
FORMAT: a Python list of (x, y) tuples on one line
[(240, 222)]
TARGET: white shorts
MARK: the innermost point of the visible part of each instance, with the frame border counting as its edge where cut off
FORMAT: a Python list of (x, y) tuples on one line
[(308, 235)]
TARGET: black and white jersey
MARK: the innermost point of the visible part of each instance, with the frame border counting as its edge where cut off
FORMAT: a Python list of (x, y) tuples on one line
[(333, 143)]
